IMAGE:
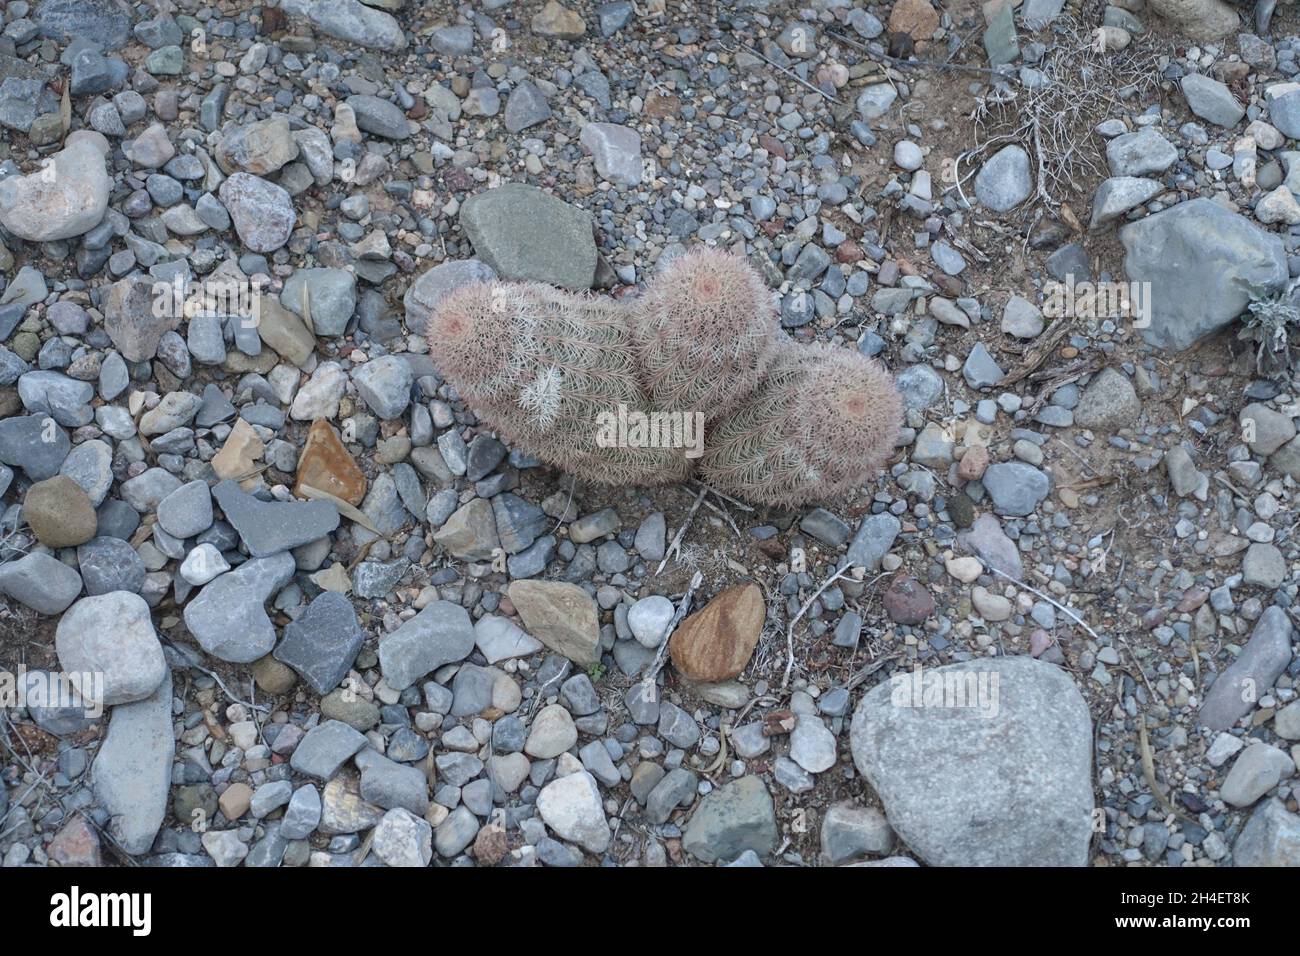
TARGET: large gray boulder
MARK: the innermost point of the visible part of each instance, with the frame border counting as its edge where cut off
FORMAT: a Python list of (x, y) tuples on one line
[(1204, 264), (999, 777), (64, 199)]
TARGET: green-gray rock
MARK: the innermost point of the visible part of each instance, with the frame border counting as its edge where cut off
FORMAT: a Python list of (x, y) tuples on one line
[(732, 819), (525, 233)]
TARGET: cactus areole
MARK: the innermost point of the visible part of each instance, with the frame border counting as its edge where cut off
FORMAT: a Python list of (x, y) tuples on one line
[(692, 378)]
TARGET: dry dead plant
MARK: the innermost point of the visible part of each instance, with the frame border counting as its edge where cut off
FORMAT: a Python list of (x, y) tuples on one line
[(1075, 85)]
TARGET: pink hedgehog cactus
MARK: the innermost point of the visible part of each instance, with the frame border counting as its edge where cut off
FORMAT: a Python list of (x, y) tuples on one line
[(706, 330), (824, 422), (786, 423), (542, 366)]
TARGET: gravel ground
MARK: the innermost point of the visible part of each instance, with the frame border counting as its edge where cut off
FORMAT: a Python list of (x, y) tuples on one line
[(321, 615)]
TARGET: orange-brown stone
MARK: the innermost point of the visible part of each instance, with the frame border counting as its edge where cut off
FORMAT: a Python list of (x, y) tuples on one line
[(326, 465), (917, 18), (238, 457), (491, 845), (716, 643), (661, 105)]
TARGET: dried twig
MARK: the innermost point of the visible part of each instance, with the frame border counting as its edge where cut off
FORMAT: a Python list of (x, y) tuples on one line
[(1075, 86), (257, 708), (789, 632), (675, 546), (651, 671), (790, 73)]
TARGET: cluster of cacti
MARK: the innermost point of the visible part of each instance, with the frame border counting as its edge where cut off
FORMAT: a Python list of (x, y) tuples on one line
[(782, 423)]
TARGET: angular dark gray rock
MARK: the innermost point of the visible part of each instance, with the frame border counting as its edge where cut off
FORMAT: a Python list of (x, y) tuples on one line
[(322, 642), (736, 817), (270, 527)]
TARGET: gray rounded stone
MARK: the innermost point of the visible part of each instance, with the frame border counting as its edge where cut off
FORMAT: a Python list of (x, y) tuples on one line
[(110, 638), (983, 763)]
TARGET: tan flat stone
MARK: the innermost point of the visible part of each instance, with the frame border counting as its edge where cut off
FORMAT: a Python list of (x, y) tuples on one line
[(239, 455)]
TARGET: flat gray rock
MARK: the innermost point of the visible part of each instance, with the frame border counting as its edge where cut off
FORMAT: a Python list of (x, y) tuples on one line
[(39, 209), (379, 117), (262, 211), (228, 618), (1235, 692), (616, 151), (1000, 776), (34, 443), (1015, 487), (108, 21), (131, 320), (269, 527), (571, 807), (64, 399), (525, 107), (350, 20), (41, 582), (132, 772), (500, 639), (1119, 194), (524, 233), (187, 510), (331, 295), (736, 817), (325, 749), (1143, 153), (1211, 100), (384, 384), (438, 635), (302, 815), (90, 465), (1284, 113), (390, 785), (1109, 402)]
